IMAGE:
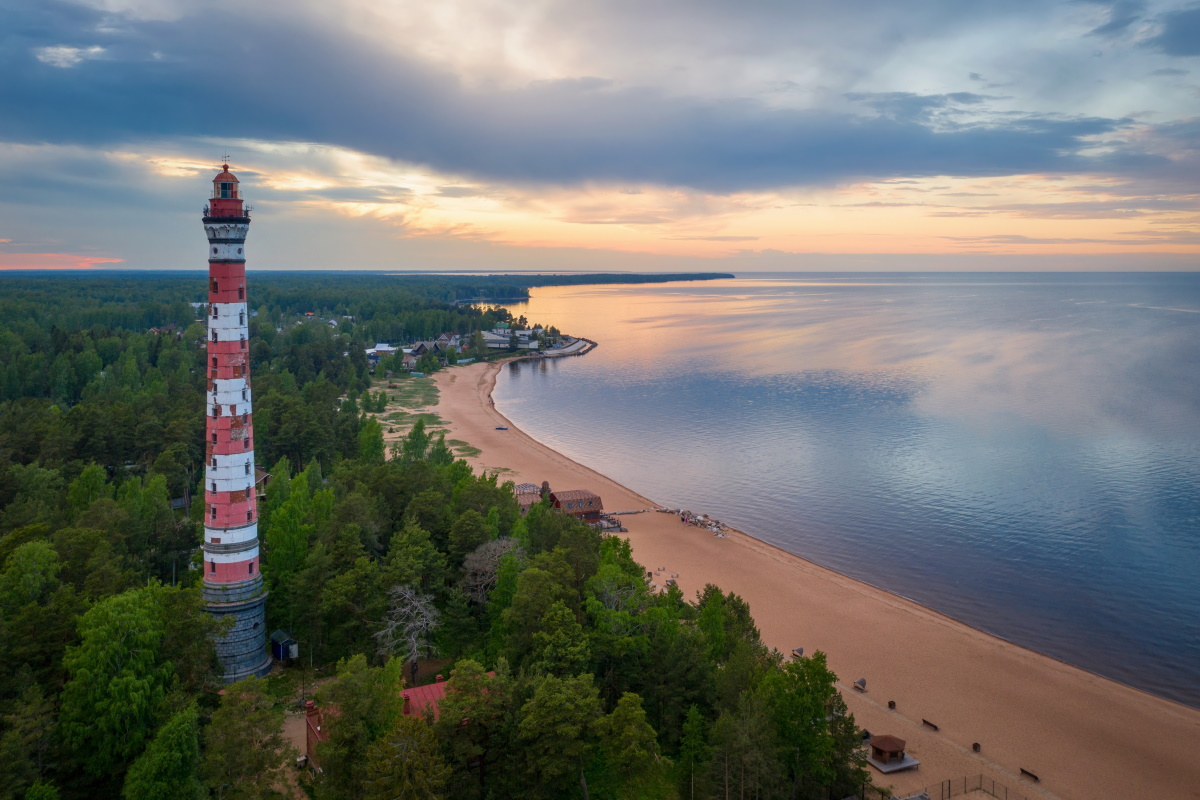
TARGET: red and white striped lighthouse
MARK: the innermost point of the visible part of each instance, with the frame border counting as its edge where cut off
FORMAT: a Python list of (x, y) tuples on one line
[(232, 584)]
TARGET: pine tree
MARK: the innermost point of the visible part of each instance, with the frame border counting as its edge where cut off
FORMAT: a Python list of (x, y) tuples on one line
[(25, 744), (693, 750), (370, 442), (557, 730), (245, 751), (629, 744), (367, 702), (406, 764), (560, 647)]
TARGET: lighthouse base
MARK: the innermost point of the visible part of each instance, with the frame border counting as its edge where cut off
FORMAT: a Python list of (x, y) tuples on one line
[(243, 649)]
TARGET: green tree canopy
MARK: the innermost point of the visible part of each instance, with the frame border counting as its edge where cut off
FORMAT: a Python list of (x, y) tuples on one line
[(168, 766), (406, 764), (363, 705), (475, 725), (117, 681), (560, 646), (245, 753), (557, 730)]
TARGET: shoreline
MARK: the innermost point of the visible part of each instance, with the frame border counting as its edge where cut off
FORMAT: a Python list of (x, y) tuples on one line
[(1084, 735)]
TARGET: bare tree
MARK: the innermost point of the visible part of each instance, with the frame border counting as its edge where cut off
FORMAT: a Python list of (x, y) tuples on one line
[(410, 623), (481, 567)]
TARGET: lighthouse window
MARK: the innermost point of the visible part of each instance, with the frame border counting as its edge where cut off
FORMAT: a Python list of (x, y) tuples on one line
[(214, 336), (243, 394), (239, 251), (226, 189), (214, 250), (214, 283), (214, 485), (214, 311), (214, 512), (247, 467), (245, 444), (214, 437), (241, 289), (212, 564), (252, 572), (214, 359)]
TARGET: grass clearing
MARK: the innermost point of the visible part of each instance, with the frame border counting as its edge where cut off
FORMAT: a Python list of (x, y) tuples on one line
[(411, 392), (406, 419), (410, 395), (463, 449)]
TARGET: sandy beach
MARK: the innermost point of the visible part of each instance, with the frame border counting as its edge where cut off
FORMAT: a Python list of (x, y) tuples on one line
[(1084, 736)]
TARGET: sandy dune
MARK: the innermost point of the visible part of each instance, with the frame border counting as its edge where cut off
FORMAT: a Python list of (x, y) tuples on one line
[(1085, 736)]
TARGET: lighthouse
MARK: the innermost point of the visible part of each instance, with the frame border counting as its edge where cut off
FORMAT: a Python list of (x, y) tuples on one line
[(232, 586)]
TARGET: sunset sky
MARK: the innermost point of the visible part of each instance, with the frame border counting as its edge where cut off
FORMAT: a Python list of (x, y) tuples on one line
[(566, 134)]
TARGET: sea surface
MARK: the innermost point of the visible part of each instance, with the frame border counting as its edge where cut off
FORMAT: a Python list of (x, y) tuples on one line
[(1018, 451)]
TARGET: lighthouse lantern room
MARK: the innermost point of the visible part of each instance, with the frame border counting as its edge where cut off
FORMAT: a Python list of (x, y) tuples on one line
[(232, 587)]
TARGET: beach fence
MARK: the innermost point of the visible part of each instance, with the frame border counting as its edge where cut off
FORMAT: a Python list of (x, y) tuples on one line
[(971, 784)]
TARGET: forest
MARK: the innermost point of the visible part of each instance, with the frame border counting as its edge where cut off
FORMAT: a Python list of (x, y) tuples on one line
[(569, 676)]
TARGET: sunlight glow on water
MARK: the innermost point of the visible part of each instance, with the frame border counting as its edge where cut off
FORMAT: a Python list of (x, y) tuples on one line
[(1020, 452)]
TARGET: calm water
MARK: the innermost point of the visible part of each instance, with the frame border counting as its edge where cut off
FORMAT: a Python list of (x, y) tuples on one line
[(1021, 452)]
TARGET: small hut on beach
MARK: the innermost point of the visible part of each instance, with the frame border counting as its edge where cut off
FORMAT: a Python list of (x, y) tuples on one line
[(887, 754)]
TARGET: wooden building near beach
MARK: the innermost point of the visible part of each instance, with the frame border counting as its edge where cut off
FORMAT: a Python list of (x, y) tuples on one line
[(578, 503)]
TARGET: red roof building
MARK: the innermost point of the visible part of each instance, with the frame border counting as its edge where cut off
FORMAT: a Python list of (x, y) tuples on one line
[(416, 700), (419, 698), (314, 719), (578, 503)]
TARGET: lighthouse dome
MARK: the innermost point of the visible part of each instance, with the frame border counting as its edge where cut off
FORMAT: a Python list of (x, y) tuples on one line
[(225, 186)]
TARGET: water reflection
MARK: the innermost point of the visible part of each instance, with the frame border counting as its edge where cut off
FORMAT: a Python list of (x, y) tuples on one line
[(1029, 449)]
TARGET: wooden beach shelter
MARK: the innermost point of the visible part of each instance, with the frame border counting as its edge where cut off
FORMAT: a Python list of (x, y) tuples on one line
[(887, 749), (888, 756)]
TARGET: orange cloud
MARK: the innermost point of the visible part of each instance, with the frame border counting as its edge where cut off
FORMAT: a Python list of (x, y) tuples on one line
[(53, 261)]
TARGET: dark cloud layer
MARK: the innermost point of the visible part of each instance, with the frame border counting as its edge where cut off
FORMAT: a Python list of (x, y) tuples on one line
[(1180, 34), (285, 80)]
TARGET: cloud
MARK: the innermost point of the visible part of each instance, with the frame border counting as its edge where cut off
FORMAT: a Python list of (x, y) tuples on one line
[(1018, 239), (1142, 238), (1100, 209), (1180, 34), (11, 261), (464, 191), (908, 106), (65, 57), (1120, 16), (293, 81), (715, 238)]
